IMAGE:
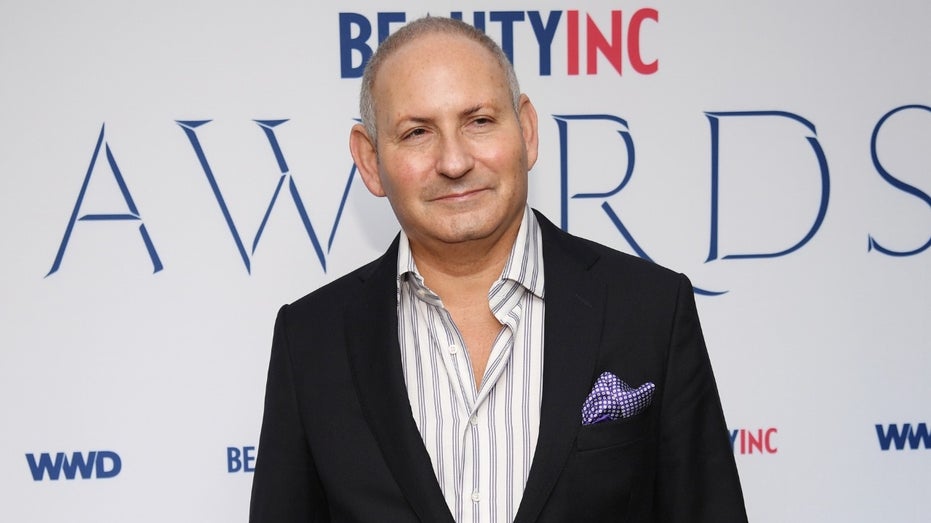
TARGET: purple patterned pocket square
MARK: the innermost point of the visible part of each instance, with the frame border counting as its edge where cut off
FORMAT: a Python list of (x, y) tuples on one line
[(611, 399)]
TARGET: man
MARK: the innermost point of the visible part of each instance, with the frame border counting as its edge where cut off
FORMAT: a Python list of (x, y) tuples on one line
[(463, 375)]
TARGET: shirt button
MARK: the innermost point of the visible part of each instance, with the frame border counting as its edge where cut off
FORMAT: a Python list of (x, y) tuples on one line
[(453, 349), (475, 496), (473, 420)]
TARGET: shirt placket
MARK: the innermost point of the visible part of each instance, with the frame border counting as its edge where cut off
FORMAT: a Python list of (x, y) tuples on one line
[(505, 303), (473, 503), (447, 342)]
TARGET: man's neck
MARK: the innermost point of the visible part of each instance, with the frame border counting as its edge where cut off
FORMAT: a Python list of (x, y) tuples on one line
[(457, 271), (462, 275)]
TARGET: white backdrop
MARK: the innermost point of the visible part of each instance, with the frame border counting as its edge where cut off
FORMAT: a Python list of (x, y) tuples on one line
[(153, 357)]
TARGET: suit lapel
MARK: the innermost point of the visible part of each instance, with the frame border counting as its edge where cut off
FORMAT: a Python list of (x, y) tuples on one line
[(573, 323), (375, 358)]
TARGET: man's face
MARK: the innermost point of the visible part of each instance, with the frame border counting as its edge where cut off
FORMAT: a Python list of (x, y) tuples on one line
[(452, 155)]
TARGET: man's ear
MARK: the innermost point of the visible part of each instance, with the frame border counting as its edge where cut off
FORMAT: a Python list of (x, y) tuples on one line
[(527, 116), (365, 156)]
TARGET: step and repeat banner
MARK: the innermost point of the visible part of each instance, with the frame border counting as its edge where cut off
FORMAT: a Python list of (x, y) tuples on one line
[(172, 172)]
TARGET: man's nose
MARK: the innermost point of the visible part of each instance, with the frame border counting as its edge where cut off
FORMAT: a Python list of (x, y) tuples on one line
[(454, 158)]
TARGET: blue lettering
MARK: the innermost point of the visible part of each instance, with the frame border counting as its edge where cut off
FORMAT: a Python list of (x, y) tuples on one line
[(248, 459), (268, 127), (918, 436), (507, 19), (132, 215), (544, 34), (892, 436), (355, 31), (713, 118), (240, 459), (349, 44), (915, 437), (45, 465), (116, 464), (478, 20), (384, 25), (78, 465), (895, 182), (233, 459), (562, 125), (733, 435)]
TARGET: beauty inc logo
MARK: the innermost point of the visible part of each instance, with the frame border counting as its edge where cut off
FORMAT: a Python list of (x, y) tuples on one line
[(615, 37)]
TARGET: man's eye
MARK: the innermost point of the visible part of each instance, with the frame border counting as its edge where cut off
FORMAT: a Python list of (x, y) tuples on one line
[(414, 133)]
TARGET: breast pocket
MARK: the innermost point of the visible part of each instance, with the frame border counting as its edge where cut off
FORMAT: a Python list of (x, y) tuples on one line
[(613, 433), (608, 465)]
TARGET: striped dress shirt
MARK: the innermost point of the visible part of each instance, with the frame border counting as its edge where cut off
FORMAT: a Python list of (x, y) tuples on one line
[(481, 441)]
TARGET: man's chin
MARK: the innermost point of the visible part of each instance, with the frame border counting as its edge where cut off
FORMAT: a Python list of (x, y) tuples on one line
[(462, 227), (476, 231)]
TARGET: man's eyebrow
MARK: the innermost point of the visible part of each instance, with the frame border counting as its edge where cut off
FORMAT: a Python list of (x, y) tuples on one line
[(469, 111), (479, 107), (417, 119), (412, 119)]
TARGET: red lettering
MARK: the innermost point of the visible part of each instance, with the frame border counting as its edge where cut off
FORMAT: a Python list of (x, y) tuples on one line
[(596, 41), (769, 447), (759, 440), (756, 443), (633, 41), (572, 20)]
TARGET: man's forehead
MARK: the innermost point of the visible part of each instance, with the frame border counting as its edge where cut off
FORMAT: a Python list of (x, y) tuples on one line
[(433, 49)]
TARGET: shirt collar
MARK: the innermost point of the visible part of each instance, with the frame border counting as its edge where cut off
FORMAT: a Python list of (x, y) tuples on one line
[(524, 265)]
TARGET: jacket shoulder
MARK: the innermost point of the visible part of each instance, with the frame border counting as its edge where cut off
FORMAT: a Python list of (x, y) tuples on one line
[(604, 260), (346, 288)]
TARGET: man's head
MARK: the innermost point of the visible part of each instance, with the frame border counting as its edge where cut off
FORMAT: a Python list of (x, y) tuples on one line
[(454, 143), (412, 31)]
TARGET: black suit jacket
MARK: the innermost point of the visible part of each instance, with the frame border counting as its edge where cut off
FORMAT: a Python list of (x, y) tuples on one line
[(339, 442)]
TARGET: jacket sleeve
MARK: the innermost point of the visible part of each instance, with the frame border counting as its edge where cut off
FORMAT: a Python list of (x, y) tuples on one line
[(697, 477), (285, 484)]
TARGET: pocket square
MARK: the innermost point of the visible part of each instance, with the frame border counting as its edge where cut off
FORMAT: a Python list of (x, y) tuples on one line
[(611, 399)]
